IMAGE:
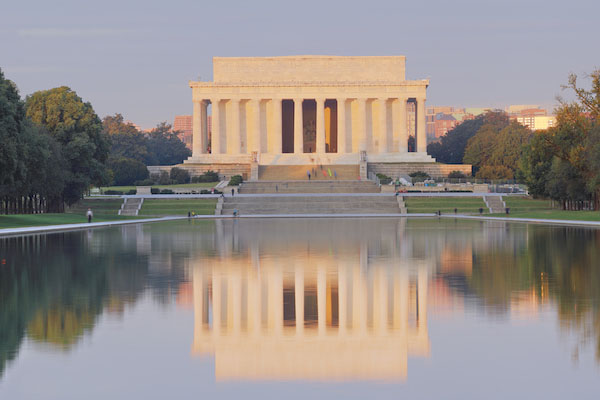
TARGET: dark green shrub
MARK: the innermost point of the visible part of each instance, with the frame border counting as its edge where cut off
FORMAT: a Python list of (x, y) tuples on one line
[(235, 180), (179, 175), (419, 176), (155, 190), (208, 176), (127, 170), (164, 178), (166, 191), (384, 179), (456, 175), (204, 191), (111, 192), (145, 182), (131, 192)]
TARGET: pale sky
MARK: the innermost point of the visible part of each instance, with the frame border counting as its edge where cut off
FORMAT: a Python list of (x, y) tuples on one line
[(136, 57)]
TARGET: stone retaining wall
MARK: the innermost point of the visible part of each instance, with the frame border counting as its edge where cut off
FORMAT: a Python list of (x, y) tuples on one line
[(434, 170), (227, 170)]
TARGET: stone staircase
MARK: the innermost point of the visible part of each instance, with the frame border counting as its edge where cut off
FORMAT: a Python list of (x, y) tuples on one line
[(494, 204), (298, 172), (401, 205), (131, 206), (311, 205), (319, 186)]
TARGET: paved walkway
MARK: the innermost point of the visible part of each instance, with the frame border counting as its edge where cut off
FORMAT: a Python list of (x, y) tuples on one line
[(69, 227)]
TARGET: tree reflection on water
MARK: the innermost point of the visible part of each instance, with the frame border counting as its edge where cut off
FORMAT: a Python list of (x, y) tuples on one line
[(54, 287)]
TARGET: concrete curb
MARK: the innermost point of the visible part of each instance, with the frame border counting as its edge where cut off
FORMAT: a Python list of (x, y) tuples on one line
[(71, 227)]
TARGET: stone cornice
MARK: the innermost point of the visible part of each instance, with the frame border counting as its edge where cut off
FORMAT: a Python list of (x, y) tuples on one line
[(422, 82)]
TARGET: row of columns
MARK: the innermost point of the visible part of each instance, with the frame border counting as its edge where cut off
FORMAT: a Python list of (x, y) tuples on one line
[(234, 139), (352, 302)]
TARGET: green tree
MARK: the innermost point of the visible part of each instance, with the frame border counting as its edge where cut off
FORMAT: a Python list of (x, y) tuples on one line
[(563, 164), (165, 146), (127, 171), (496, 151), (75, 125), (451, 147), (179, 175)]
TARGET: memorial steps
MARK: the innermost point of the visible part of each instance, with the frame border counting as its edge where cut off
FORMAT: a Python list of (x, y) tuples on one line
[(306, 186), (274, 205), (298, 172)]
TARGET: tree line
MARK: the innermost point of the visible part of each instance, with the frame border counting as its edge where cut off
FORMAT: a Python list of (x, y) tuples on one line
[(54, 147), (561, 163)]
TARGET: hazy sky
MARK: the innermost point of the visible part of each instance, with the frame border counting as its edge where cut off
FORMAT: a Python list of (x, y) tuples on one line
[(136, 57)]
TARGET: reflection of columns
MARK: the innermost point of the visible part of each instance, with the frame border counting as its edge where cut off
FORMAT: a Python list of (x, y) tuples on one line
[(401, 292), (199, 131), (298, 127), (275, 299), (343, 298), (299, 300), (320, 125), (254, 305), (236, 141), (359, 301), (380, 301), (402, 126), (199, 301), (256, 134), (321, 298), (341, 125), (215, 145), (422, 299), (216, 304), (235, 286), (383, 140), (421, 124), (362, 124), (277, 130)]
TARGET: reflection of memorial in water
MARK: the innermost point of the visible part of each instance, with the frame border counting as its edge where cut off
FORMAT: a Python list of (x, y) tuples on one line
[(320, 313)]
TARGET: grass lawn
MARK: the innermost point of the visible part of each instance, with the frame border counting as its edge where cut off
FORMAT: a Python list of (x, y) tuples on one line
[(465, 205), (520, 204), (160, 207), (22, 220), (203, 185)]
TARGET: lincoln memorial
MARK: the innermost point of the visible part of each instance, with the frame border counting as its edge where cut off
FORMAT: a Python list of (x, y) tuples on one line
[(303, 110)]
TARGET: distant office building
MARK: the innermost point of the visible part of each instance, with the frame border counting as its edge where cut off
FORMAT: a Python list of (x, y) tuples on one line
[(136, 126), (537, 122), (531, 116), (183, 124)]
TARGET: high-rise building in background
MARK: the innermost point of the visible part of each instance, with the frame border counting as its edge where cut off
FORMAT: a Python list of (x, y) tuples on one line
[(532, 116), (183, 124)]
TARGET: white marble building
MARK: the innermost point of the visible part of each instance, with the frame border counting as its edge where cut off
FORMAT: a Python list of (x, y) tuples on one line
[(307, 109)]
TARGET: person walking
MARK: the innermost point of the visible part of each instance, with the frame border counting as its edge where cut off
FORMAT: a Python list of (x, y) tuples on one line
[(276, 188), (89, 215), (232, 192), (308, 174)]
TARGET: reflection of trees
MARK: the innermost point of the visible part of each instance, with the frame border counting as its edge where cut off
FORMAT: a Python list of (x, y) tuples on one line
[(53, 287), (559, 264)]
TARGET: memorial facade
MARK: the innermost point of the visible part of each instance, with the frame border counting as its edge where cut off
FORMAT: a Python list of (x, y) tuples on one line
[(304, 110)]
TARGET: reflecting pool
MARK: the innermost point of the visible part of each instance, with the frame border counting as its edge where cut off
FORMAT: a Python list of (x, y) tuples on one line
[(302, 308)]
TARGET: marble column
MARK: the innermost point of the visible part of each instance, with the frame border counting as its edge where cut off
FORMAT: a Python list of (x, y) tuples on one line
[(383, 139), (362, 124), (298, 127), (199, 133), (277, 131), (320, 125), (341, 126), (236, 142), (215, 145), (256, 134), (402, 126), (421, 126)]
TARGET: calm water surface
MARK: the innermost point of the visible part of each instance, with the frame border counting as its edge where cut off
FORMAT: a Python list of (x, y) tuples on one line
[(307, 308)]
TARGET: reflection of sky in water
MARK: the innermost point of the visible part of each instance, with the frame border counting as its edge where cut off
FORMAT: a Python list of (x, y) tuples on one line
[(306, 308)]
